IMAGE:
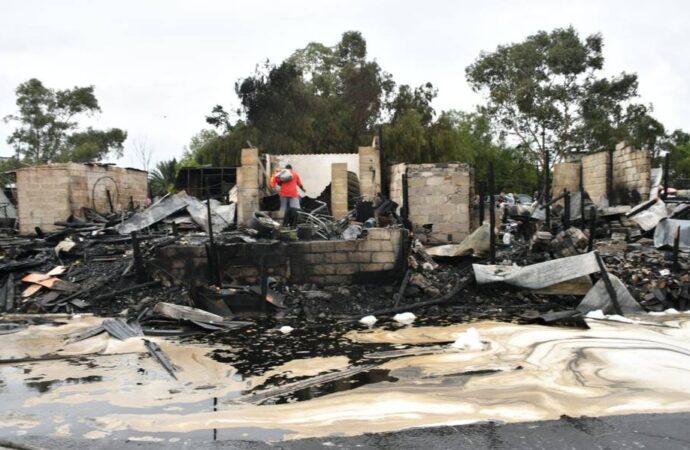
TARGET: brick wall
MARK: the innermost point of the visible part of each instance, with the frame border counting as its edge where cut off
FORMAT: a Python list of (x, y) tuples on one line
[(565, 176), (395, 176), (249, 176), (369, 172), (53, 192), (338, 189), (631, 174), (42, 197), (381, 254), (595, 169), (441, 194)]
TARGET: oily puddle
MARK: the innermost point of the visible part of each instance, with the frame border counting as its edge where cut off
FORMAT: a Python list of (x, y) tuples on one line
[(342, 379), (50, 386)]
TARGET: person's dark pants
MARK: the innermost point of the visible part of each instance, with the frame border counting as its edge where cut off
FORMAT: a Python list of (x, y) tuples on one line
[(289, 206)]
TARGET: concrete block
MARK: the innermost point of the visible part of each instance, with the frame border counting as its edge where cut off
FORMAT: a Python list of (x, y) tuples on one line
[(383, 257), (379, 233), (321, 246), (359, 257), (315, 258), (335, 258), (346, 269), (323, 269)]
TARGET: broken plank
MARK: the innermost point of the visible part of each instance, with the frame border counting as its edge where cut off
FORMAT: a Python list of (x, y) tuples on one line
[(259, 396), (35, 277), (31, 290), (180, 312), (157, 353), (121, 329)]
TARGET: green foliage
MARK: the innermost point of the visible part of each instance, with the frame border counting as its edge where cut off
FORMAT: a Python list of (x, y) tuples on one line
[(208, 148), (458, 136), (10, 164), (162, 178), (320, 99), (678, 143), (46, 125), (545, 94), (92, 145)]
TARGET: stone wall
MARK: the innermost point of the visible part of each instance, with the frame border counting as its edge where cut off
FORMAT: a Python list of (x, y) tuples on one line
[(631, 174), (381, 254), (53, 192), (339, 189), (369, 172), (249, 179), (334, 262), (396, 181), (439, 194), (565, 176), (595, 168)]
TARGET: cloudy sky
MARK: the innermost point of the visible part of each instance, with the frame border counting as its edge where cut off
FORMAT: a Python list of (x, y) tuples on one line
[(159, 66)]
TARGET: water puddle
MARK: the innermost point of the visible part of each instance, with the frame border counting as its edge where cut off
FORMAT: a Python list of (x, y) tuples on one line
[(335, 378)]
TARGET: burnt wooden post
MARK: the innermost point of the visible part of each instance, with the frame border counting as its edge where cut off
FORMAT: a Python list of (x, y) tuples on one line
[(609, 287), (547, 195), (667, 168), (385, 175), (138, 261), (405, 210), (175, 230), (212, 258), (676, 250), (482, 193), (566, 209), (110, 200), (592, 227), (609, 180), (582, 198), (492, 216), (131, 203)]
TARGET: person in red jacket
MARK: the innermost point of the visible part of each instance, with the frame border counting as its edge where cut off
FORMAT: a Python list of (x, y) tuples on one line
[(289, 181)]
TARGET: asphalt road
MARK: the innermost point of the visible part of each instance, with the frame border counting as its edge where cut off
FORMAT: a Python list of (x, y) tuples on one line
[(640, 431)]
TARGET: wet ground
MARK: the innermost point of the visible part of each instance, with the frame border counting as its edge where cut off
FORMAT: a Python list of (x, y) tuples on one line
[(331, 379), (653, 431)]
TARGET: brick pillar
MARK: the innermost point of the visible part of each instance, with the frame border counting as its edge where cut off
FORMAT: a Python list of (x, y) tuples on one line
[(248, 185), (339, 189), (369, 172)]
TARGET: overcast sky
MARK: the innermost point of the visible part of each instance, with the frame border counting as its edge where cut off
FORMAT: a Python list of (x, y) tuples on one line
[(159, 66)]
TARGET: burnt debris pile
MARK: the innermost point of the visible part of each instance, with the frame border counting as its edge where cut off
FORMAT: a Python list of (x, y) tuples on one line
[(528, 262)]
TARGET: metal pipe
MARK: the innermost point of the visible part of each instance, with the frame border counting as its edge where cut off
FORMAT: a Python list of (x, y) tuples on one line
[(676, 251), (482, 193), (405, 211), (592, 227), (582, 198), (547, 191), (138, 261), (607, 282), (667, 168), (492, 216), (566, 209)]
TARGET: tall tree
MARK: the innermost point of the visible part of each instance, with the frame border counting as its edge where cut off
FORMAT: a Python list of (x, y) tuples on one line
[(47, 126), (545, 94), (162, 178)]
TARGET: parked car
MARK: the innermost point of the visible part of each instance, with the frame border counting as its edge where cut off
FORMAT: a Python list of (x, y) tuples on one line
[(524, 199)]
